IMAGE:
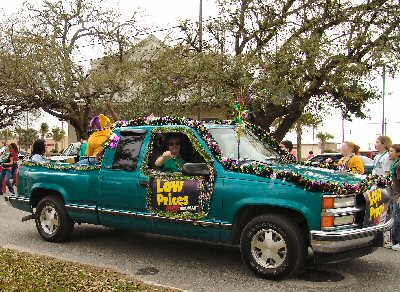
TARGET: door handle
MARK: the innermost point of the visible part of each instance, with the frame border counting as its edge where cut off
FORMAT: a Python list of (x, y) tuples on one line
[(143, 183)]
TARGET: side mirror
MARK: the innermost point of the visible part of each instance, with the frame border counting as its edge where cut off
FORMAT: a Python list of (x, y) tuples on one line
[(193, 169)]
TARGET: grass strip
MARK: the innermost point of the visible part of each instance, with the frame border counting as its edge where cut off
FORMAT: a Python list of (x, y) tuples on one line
[(20, 271)]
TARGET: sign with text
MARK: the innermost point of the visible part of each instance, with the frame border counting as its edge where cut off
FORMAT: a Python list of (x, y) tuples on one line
[(175, 195), (377, 203)]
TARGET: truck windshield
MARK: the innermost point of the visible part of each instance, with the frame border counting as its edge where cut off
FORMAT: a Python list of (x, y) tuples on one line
[(250, 148)]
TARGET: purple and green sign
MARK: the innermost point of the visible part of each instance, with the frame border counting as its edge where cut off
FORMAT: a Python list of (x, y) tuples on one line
[(175, 195)]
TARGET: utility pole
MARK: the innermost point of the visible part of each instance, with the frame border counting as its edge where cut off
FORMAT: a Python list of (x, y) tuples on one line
[(62, 129), (201, 26), (342, 128), (200, 34), (383, 101), (26, 133)]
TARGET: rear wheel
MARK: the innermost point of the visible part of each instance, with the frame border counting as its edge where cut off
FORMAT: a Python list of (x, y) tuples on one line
[(273, 247), (52, 220)]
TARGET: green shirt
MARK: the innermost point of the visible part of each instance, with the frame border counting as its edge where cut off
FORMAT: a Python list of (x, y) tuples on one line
[(82, 152), (174, 164)]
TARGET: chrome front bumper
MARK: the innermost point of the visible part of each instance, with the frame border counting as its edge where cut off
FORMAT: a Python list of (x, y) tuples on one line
[(343, 240)]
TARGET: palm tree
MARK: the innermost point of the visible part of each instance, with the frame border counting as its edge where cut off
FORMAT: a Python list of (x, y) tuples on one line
[(324, 137), (30, 136), (25, 137), (44, 128), (57, 135)]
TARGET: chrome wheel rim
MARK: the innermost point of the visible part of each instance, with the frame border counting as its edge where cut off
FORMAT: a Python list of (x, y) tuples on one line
[(49, 220), (268, 248)]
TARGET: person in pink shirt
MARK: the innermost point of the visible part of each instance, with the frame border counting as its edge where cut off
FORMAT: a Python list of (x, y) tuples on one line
[(14, 153)]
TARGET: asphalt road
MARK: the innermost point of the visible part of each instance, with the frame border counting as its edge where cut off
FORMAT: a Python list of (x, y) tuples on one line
[(190, 265)]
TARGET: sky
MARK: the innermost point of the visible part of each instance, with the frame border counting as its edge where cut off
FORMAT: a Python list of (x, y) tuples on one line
[(160, 14)]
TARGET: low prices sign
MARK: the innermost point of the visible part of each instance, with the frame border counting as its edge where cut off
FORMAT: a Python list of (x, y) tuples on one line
[(175, 195), (377, 203)]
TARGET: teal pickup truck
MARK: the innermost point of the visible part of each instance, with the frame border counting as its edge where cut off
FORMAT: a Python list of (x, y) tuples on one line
[(239, 191)]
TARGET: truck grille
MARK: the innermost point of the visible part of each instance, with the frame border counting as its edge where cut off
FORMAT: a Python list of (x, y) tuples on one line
[(360, 204)]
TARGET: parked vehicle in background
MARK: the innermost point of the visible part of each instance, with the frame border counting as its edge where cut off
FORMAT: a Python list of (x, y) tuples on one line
[(321, 158), (368, 164), (22, 155), (369, 153), (69, 155)]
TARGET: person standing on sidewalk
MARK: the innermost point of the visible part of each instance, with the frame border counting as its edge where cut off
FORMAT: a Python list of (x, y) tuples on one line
[(394, 154), (14, 153), (7, 163), (382, 163)]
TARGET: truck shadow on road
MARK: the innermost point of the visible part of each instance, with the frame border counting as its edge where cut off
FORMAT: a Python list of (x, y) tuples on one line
[(178, 253)]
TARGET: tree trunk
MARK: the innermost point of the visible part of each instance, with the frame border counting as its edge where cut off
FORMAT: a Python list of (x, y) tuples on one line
[(293, 113), (265, 117), (287, 123), (323, 146)]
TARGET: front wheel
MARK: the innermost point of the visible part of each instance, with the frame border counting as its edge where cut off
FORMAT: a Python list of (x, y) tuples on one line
[(273, 247), (52, 220)]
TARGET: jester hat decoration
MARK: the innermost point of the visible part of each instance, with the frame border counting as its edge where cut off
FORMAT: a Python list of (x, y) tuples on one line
[(104, 120)]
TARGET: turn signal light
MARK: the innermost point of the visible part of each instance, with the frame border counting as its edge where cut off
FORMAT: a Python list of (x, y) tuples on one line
[(327, 221), (328, 203)]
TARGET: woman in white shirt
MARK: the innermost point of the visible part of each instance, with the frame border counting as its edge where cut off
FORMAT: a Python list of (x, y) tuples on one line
[(38, 150), (382, 162)]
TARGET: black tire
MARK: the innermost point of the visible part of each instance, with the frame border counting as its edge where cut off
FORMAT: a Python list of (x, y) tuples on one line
[(273, 247), (52, 220)]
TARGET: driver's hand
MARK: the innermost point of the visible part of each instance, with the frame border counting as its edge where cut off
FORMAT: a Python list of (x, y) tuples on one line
[(167, 155)]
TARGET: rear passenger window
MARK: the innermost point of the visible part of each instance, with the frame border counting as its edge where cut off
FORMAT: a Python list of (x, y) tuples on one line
[(127, 153)]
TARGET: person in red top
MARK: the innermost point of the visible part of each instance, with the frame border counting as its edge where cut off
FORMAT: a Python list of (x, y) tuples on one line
[(14, 153)]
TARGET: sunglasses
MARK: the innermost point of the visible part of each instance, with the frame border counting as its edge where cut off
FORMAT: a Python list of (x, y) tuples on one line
[(174, 144)]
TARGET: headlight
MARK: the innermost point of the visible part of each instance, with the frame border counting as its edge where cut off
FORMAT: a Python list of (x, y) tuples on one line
[(344, 220), (333, 202), (337, 211)]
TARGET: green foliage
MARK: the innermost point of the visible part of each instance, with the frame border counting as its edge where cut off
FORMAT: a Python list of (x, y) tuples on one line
[(324, 137), (6, 134), (58, 135), (178, 81), (26, 137), (44, 129), (310, 55), (39, 59)]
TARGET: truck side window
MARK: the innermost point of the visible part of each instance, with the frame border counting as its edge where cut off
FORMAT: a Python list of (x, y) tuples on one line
[(127, 153), (187, 151)]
